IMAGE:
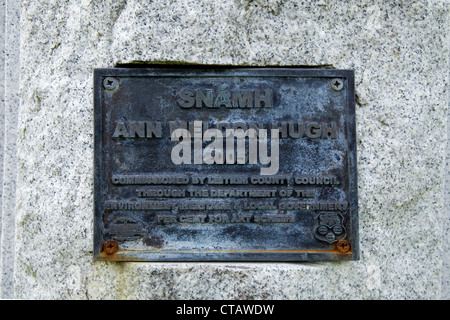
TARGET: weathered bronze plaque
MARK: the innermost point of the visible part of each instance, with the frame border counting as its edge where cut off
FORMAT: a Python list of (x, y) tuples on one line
[(225, 164)]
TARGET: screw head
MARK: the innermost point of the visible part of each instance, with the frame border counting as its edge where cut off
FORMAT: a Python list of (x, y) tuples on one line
[(109, 83), (110, 247), (337, 84), (343, 246)]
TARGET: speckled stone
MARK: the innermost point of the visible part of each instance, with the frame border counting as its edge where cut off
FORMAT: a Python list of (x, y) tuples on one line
[(399, 51), (446, 245), (2, 120), (8, 125)]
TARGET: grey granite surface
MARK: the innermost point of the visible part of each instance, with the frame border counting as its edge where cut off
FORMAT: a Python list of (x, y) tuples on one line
[(399, 51), (446, 228), (11, 68), (2, 117)]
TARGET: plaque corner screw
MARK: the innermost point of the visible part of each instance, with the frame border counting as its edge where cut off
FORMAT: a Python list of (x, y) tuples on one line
[(343, 246), (110, 247), (337, 84), (109, 83)]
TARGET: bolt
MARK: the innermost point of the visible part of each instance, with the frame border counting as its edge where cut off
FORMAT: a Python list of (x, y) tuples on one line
[(343, 246), (110, 247), (109, 83), (336, 84)]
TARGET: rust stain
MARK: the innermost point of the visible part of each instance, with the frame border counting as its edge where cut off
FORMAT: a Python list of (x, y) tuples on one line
[(291, 251), (343, 246), (110, 247)]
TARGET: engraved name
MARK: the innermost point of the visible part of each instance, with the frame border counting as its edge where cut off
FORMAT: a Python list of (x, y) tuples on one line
[(294, 130), (208, 98)]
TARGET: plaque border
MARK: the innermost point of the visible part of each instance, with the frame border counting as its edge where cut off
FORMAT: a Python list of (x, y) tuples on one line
[(228, 255)]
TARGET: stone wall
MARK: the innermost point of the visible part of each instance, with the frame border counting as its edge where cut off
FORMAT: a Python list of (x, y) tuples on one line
[(400, 53), (10, 71)]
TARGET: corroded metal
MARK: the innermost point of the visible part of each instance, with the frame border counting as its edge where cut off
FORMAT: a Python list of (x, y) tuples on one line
[(110, 247), (156, 202)]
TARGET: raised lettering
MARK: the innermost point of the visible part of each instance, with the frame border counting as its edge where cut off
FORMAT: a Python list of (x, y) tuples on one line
[(242, 99), (263, 100), (121, 131), (186, 98)]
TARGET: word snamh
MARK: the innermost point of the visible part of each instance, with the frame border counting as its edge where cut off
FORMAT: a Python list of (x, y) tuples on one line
[(236, 99)]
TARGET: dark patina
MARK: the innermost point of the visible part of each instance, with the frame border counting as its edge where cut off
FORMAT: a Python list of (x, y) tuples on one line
[(155, 202)]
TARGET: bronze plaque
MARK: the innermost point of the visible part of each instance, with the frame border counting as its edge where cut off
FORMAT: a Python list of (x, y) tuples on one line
[(225, 164)]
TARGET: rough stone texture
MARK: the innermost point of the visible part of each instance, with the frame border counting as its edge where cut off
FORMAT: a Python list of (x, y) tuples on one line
[(11, 70), (2, 120), (446, 246), (399, 50)]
